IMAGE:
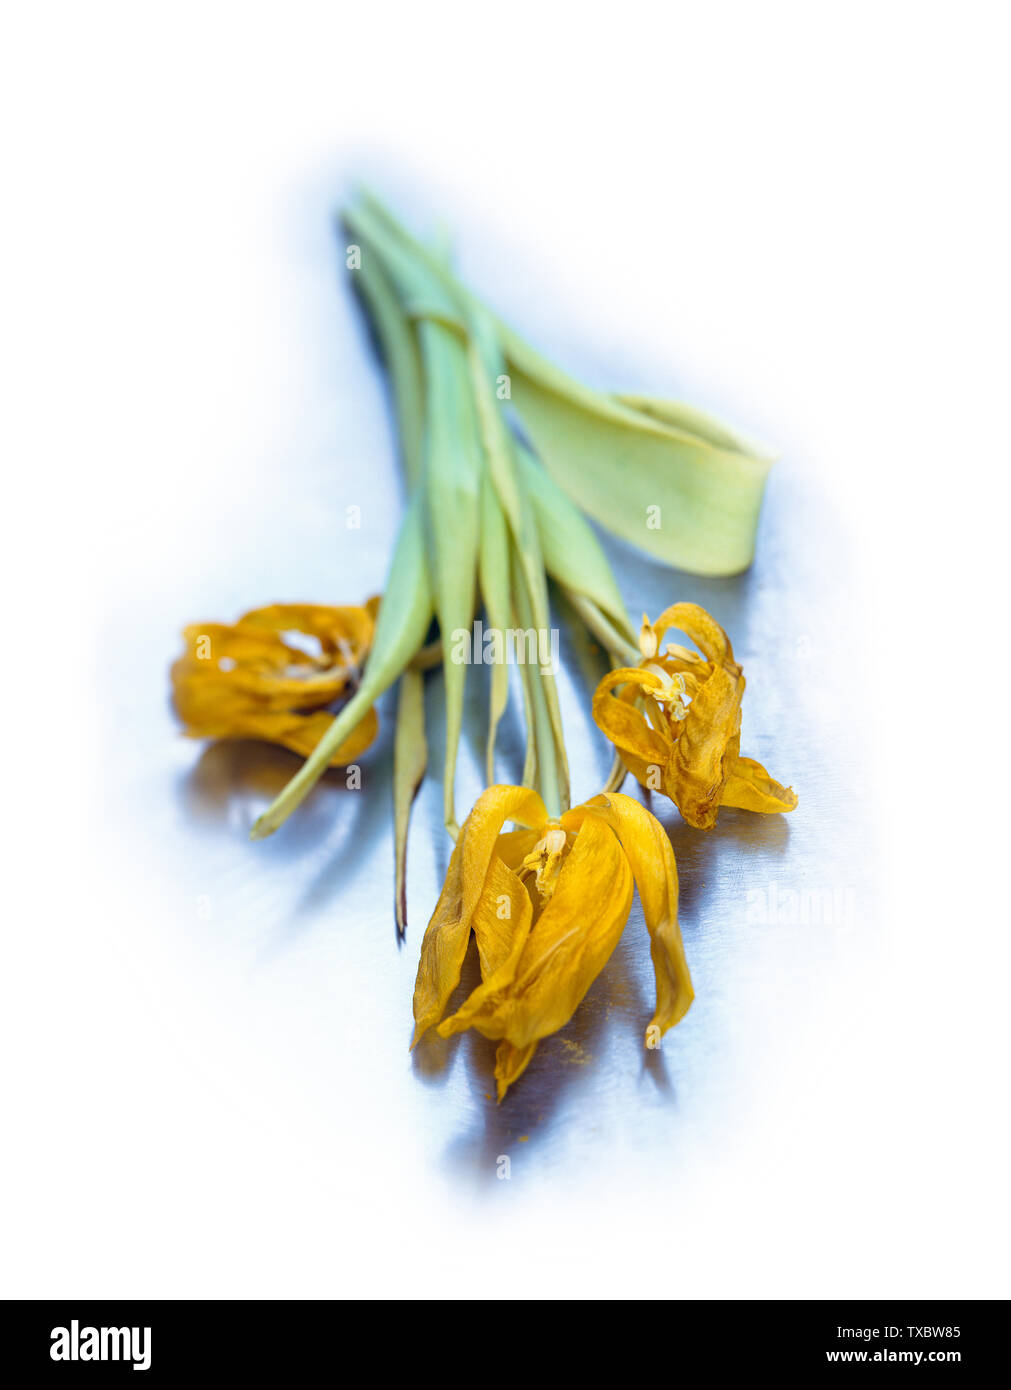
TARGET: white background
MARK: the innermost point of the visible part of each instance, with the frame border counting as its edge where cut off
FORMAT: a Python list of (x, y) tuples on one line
[(801, 212)]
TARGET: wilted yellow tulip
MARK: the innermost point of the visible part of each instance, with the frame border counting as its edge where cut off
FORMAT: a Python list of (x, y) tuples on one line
[(686, 740), (547, 905), (247, 681)]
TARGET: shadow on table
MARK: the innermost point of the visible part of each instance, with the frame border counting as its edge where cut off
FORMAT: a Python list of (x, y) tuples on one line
[(567, 1066), (544, 1109), (234, 780)]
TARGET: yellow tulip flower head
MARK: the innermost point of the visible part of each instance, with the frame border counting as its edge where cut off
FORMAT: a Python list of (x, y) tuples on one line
[(685, 739), (547, 904), (248, 681)]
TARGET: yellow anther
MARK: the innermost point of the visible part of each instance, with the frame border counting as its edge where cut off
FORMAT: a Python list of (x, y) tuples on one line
[(647, 639)]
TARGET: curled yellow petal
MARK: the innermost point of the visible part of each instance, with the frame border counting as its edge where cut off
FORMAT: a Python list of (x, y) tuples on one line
[(445, 942), (502, 921), (641, 747), (654, 868), (700, 626), (708, 738), (751, 788)]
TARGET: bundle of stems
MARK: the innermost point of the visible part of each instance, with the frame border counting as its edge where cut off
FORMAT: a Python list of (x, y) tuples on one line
[(488, 521)]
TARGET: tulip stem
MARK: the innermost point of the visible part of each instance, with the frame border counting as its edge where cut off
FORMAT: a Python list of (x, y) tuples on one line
[(617, 646), (550, 770)]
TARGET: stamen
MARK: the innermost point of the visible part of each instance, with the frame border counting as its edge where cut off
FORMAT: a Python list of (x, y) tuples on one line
[(545, 860), (647, 639), (673, 691)]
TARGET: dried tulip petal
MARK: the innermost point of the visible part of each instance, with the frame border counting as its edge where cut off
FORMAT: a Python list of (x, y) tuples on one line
[(654, 868), (445, 942), (751, 788)]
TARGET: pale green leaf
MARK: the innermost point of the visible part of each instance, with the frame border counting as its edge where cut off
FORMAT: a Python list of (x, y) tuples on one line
[(673, 493), (410, 758)]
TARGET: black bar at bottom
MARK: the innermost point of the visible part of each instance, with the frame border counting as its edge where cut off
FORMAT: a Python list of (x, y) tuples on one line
[(169, 1341)]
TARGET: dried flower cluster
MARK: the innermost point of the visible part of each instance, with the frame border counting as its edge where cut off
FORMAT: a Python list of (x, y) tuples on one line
[(489, 520)]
